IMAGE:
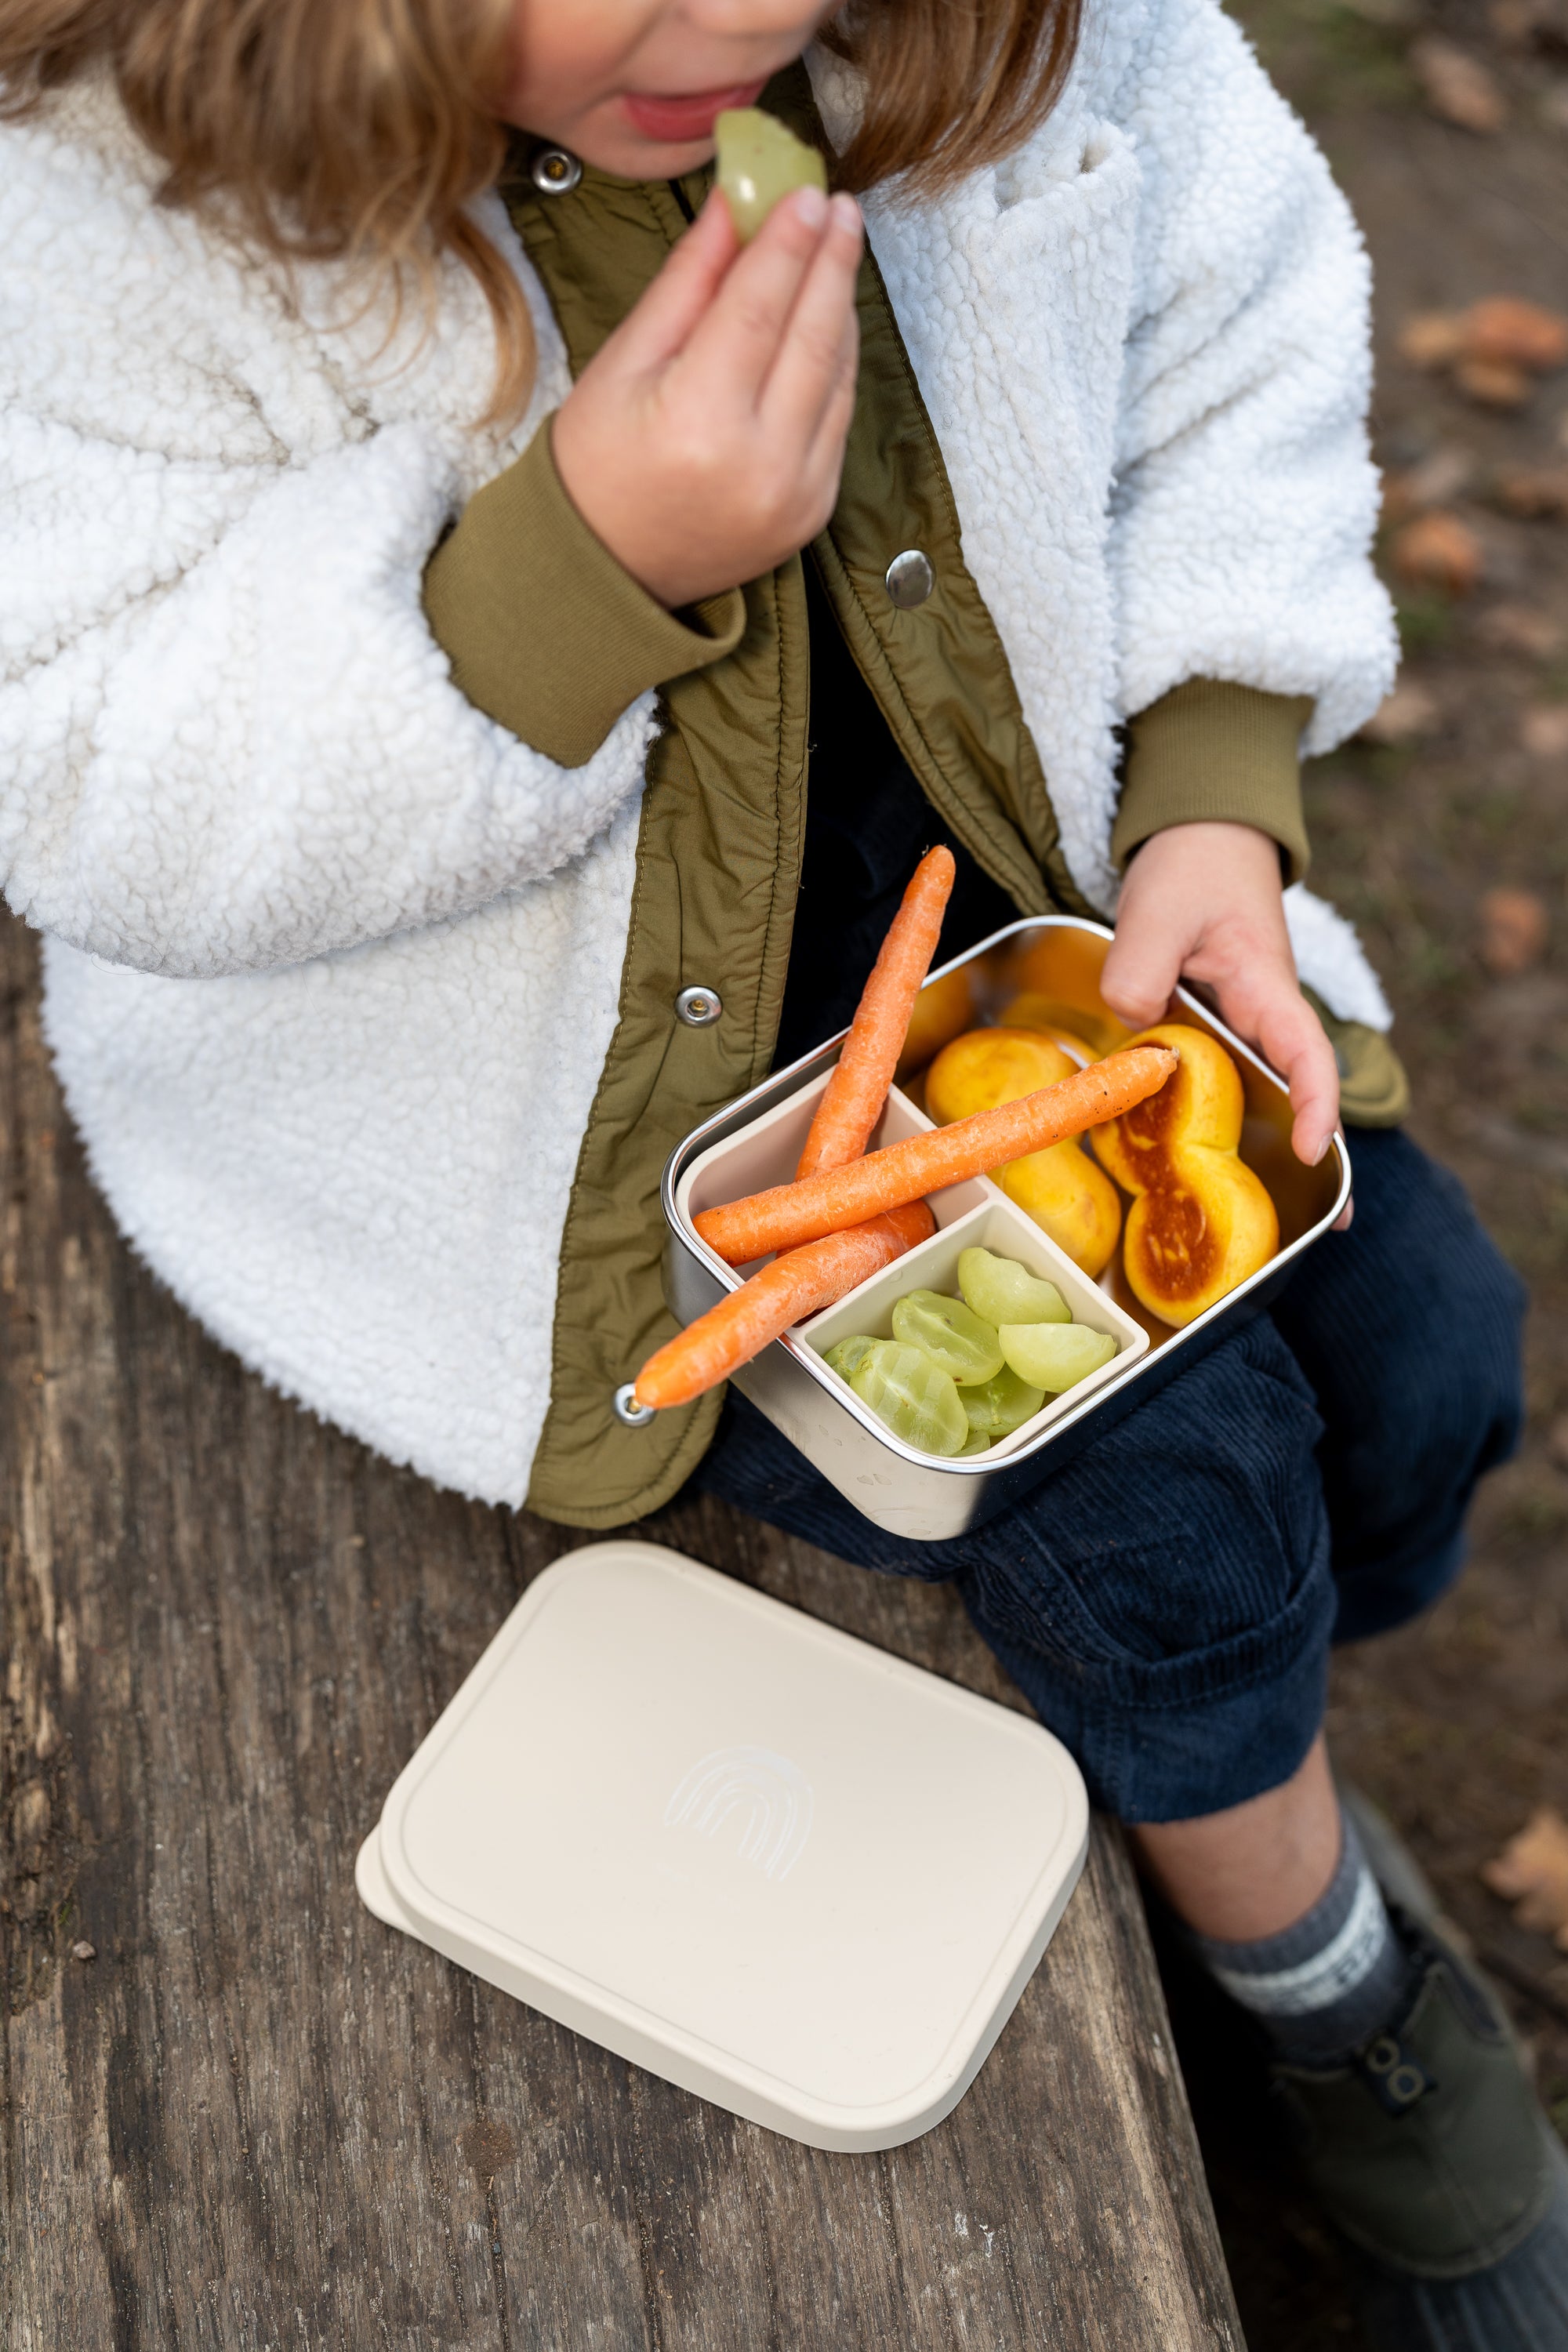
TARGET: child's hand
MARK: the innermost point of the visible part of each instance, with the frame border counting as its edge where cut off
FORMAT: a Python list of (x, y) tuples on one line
[(703, 443), (1203, 902)]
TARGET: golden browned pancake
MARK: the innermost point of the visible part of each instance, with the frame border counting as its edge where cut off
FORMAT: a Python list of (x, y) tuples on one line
[(1201, 1221), (1066, 1195)]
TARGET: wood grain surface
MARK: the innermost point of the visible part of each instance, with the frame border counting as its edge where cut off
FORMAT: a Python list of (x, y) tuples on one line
[(255, 2117)]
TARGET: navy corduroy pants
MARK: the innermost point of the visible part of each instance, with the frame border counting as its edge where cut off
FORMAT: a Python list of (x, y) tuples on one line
[(1167, 1599)]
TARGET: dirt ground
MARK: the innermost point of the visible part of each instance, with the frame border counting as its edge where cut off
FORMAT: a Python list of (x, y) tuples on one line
[(1457, 1726)]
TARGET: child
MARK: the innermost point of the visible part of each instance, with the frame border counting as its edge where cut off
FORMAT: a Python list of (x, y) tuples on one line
[(387, 415)]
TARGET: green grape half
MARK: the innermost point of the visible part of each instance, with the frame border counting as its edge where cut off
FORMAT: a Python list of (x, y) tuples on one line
[(955, 1339), (1055, 1356), (759, 162), (845, 1354), (919, 1404), (1000, 1405), (1003, 1291), (977, 1441)]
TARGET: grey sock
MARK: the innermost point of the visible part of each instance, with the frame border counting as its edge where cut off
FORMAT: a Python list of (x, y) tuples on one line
[(1325, 1985)]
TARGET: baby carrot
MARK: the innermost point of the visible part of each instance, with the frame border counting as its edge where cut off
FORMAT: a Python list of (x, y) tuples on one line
[(852, 1104), (807, 1279), (789, 1214), (793, 1287)]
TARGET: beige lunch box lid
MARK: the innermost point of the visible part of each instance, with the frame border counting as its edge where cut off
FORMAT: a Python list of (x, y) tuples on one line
[(764, 1859)]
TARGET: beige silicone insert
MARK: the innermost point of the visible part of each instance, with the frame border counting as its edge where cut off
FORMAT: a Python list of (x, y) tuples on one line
[(768, 1153), (1001, 1226)]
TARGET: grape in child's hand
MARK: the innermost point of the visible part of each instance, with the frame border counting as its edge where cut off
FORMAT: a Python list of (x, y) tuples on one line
[(760, 161), (703, 443)]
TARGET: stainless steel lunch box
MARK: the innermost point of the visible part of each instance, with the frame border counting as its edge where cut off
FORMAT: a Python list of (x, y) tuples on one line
[(1057, 960)]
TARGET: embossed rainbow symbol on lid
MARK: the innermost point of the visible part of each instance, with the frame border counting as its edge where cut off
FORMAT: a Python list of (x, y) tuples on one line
[(772, 1797)]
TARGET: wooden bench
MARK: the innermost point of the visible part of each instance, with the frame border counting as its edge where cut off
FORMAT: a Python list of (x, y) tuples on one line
[(254, 2118)]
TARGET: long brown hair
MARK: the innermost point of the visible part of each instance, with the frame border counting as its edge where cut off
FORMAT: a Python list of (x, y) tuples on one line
[(357, 130)]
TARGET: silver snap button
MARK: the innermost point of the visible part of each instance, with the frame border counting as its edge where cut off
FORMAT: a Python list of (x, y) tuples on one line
[(699, 1007), (635, 1415), (555, 172), (911, 579)]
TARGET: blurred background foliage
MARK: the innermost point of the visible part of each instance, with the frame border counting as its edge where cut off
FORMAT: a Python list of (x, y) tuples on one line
[(1443, 831)]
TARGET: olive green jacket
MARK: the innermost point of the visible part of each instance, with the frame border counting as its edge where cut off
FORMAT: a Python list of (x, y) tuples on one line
[(723, 810)]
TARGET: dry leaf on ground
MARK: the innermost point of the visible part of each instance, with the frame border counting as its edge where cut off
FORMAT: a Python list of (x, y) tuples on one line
[(1432, 339), (1514, 925), (1408, 713), (1494, 348), (1543, 730), (1437, 550), (1532, 1872), (1516, 333), (1521, 629), (1512, 22), (1457, 86), (1536, 492), (1493, 383), (1443, 476)]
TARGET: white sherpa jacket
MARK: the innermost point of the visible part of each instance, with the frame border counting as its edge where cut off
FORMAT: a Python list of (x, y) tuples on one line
[(332, 959)]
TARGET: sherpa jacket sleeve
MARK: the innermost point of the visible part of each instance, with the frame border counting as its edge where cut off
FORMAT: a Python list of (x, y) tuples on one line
[(1246, 498), (228, 739)]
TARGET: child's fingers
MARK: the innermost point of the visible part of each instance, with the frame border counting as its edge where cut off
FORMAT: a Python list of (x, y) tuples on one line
[(1145, 963), (1292, 1036), (666, 317), (822, 329), (739, 337)]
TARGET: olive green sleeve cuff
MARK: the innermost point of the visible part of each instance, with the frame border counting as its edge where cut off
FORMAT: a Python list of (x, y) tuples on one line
[(544, 630), (1209, 751), (1374, 1088)]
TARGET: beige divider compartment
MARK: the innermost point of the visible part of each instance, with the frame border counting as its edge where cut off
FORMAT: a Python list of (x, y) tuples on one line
[(994, 1225), (768, 1152)]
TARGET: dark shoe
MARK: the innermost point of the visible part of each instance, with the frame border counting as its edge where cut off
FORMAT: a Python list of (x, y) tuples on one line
[(1426, 2150), (1430, 2153), (1519, 2305)]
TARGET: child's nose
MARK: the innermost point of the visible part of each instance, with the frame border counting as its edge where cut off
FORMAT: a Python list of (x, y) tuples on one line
[(757, 20)]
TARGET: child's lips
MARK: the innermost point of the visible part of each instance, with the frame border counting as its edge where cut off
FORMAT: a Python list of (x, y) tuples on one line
[(678, 120)]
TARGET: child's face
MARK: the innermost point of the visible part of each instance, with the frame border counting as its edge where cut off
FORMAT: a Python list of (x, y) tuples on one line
[(633, 85)]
